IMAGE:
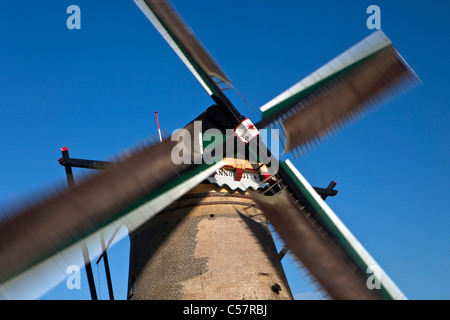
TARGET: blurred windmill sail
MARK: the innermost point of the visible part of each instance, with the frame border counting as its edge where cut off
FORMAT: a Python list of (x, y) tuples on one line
[(338, 92), (39, 242), (184, 42), (321, 241)]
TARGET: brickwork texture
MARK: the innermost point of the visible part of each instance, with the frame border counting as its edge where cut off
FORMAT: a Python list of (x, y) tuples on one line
[(212, 243)]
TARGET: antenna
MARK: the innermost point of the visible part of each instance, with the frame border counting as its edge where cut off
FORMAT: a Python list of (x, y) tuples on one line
[(159, 130)]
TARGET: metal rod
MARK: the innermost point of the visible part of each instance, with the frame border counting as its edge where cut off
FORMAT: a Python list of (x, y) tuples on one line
[(109, 243), (159, 130), (324, 193), (69, 173), (108, 276), (89, 273), (271, 187), (82, 163), (106, 262), (104, 255), (329, 190), (283, 252), (87, 261)]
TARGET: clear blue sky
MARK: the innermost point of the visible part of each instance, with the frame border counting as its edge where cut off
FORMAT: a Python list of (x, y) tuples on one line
[(95, 91)]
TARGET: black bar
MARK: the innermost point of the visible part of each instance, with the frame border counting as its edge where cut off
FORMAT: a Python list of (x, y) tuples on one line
[(108, 276), (87, 261), (329, 190), (69, 174), (283, 252), (324, 193), (82, 163), (89, 273), (104, 255)]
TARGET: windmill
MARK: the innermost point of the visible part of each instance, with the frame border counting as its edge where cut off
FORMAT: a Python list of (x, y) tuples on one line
[(143, 189)]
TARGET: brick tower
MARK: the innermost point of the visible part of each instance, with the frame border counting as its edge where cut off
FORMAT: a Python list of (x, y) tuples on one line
[(212, 243)]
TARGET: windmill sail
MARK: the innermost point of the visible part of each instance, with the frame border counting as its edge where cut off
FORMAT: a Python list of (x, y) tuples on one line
[(33, 240), (189, 49), (338, 92), (319, 239), (183, 41)]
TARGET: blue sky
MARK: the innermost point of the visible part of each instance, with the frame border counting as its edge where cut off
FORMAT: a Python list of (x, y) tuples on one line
[(95, 91)]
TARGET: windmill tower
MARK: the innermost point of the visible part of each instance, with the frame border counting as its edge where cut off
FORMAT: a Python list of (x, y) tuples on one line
[(198, 230), (212, 243)]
